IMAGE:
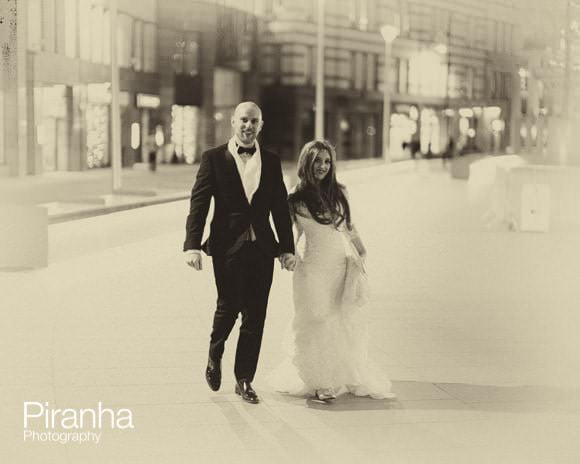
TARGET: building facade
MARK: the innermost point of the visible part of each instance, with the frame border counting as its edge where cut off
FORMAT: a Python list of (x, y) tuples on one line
[(183, 66), (452, 73), (550, 80), (463, 71)]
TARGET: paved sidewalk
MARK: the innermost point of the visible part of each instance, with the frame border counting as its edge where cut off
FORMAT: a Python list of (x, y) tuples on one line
[(478, 329), (75, 195)]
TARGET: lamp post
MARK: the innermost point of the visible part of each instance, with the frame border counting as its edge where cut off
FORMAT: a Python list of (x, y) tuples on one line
[(389, 34), (319, 115), (116, 162)]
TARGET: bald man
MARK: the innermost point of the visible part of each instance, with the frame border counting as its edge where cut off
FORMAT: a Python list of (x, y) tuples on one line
[(245, 181)]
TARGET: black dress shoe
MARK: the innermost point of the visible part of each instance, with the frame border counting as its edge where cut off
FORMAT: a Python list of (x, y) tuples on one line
[(245, 390), (213, 374)]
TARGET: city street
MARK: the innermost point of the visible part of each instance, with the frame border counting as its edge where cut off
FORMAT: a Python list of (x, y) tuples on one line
[(477, 327)]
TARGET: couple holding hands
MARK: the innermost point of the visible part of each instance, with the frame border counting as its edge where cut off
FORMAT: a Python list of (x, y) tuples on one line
[(330, 340)]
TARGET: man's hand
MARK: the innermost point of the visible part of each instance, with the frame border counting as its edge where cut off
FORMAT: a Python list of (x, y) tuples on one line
[(287, 261), (193, 259)]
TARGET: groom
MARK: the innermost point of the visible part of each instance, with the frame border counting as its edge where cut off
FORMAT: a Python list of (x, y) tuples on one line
[(246, 184)]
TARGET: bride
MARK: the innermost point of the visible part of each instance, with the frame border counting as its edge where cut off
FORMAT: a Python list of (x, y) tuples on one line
[(330, 335)]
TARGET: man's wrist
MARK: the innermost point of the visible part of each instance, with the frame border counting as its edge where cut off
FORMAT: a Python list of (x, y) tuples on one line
[(190, 252)]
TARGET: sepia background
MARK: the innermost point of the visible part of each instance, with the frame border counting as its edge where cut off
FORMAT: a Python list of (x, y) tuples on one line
[(455, 124)]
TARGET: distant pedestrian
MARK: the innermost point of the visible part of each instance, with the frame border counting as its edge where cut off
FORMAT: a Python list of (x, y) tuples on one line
[(449, 153), (152, 148)]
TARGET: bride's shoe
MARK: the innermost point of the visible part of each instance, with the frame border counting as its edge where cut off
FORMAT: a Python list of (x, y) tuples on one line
[(325, 394)]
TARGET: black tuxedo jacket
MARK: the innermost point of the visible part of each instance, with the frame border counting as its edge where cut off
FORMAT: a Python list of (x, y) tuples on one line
[(218, 177)]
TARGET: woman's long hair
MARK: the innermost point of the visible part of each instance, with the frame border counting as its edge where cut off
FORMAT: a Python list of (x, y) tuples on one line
[(325, 200)]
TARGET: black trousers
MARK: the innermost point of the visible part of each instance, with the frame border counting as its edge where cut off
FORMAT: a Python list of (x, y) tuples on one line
[(243, 282)]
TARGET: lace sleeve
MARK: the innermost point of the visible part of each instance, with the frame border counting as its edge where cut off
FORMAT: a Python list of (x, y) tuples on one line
[(352, 231)]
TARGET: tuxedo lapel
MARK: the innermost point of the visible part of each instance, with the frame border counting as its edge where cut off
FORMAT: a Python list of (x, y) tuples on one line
[(232, 173)]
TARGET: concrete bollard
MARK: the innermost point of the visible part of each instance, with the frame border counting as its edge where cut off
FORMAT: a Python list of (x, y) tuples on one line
[(23, 237), (460, 166), (543, 198)]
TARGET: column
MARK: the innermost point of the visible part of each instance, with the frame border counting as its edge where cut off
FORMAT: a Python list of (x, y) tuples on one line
[(515, 121), (389, 34)]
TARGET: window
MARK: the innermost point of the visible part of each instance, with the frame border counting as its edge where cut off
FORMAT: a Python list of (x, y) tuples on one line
[(2, 155), (85, 30), (49, 25), (124, 40), (421, 19), (310, 65), (137, 55), (426, 73), (358, 69), (70, 28), (479, 85), (150, 47), (459, 29), (499, 37), (271, 63), (191, 49), (403, 76), (479, 33), (106, 37), (358, 14), (501, 85), (35, 25), (371, 74), (509, 34), (491, 31), (404, 21), (469, 76), (97, 34)]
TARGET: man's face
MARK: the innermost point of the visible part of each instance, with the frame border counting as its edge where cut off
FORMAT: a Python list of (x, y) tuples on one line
[(247, 123)]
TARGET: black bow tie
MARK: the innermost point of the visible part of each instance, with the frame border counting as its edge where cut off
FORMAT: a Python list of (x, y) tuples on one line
[(249, 150)]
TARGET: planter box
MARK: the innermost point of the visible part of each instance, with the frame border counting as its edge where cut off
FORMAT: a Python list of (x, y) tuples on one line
[(23, 237)]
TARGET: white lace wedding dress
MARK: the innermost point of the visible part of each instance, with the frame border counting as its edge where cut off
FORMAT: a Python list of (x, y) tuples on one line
[(330, 340)]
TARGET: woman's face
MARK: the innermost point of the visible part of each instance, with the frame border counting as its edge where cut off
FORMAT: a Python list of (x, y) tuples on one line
[(322, 165)]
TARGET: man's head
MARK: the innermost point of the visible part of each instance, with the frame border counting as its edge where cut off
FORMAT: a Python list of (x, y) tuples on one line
[(247, 122)]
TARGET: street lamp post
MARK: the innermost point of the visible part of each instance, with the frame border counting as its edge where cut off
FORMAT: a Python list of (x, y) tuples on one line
[(116, 162), (389, 34), (319, 105)]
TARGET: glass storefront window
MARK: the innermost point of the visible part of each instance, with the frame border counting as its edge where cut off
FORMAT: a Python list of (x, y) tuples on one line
[(49, 25), (137, 58), (97, 123), (359, 64), (371, 83), (97, 33), (106, 37), (34, 24), (97, 135), (427, 74), (184, 132), (70, 28), (2, 155), (51, 126), (85, 30), (403, 76), (150, 47), (430, 132), (124, 39)]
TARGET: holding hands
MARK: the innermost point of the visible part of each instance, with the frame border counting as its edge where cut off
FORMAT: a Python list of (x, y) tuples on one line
[(287, 261), (193, 259)]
